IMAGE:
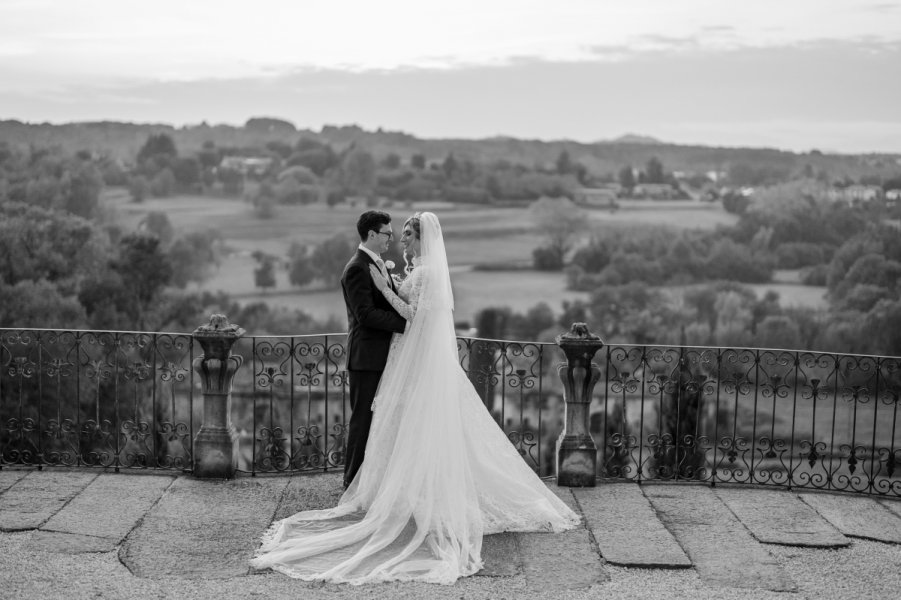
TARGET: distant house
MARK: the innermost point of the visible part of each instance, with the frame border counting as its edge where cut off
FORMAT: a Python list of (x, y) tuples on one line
[(857, 194), (604, 197), (654, 191), (248, 165)]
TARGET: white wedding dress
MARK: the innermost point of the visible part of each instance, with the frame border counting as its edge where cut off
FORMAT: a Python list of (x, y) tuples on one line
[(438, 474)]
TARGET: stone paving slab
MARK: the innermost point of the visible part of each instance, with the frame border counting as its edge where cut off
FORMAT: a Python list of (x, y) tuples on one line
[(554, 562), (780, 517), (626, 528), (723, 552), (501, 555), (203, 529), (107, 509), (9, 478), (69, 543), (38, 496), (310, 492), (892, 505), (558, 562), (857, 517)]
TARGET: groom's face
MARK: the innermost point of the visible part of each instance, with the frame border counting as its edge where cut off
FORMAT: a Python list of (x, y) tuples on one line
[(385, 234)]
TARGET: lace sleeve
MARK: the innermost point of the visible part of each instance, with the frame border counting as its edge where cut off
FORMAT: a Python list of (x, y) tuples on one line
[(406, 309)]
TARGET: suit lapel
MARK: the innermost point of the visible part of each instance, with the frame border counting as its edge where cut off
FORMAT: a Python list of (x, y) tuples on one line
[(367, 260)]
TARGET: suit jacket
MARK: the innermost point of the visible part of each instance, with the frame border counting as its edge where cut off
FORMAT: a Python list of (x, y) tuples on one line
[(370, 317)]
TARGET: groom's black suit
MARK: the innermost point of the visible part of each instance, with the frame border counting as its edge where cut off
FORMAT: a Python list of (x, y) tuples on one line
[(371, 320)]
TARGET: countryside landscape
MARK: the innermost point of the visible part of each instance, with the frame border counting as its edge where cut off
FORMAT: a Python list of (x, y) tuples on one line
[(648, 242), (673, 236)]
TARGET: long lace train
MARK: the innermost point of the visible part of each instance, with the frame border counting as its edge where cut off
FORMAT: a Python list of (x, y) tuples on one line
[(438, 474)]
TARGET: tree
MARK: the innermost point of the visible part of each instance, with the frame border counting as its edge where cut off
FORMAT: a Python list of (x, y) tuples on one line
[(315, 155), (547, 258), (193, 256), (358, 171), (417, 161), (264, 205), (729, 260), (163, 183), (654, 171), (264, 274), (279, 148), (144, 271), (187, 172), (300, 265), (564, 163), (391, 161), (82, 194), (883, 326), (450, 166), (560, 220), (39, 304), (129, 292), (232, 181), (778, 331), (138, 187), (158, 224), (38, 243), (627, 177), (594, 256), (269, 125), (330, 256), (157, 145), (733, 320)]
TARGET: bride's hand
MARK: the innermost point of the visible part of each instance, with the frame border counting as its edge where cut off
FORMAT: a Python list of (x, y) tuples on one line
[(377, 278)]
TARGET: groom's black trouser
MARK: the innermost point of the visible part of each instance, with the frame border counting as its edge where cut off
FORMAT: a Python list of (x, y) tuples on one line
[(363, 385)]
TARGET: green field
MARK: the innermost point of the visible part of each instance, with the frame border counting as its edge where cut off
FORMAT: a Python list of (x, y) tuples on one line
[(474, 235)]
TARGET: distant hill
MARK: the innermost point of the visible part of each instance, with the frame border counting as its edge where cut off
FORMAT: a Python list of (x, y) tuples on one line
[(631, 138), (123, 140)]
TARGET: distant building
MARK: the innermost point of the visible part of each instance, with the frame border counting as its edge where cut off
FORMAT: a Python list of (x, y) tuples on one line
[(248, 165), (654, 191), (856, 194)]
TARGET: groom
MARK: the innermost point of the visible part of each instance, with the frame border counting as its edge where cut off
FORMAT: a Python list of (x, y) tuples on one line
[(371, 321)]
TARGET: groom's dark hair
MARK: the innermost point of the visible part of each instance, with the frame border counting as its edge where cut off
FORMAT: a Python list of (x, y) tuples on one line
[(372, 220)]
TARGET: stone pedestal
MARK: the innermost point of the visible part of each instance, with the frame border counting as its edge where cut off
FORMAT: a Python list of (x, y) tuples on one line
[(216, 443), (576, 451)]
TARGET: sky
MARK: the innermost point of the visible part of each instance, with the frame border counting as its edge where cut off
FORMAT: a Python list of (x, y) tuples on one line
[(790, 74)]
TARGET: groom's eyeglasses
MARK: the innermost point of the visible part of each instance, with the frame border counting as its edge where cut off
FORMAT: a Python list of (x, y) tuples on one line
[(390, 234)]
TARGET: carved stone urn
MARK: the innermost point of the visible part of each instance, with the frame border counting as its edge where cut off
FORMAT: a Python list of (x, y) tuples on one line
[(576, 451), (216, 443)]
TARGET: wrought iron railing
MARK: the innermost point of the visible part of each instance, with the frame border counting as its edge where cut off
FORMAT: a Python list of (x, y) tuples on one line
[(754, 416), (291, 405), (130, 400), (127, 400), (96, 399)]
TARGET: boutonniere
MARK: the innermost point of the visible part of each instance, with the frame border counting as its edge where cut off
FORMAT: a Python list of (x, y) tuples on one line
[(389, 265)]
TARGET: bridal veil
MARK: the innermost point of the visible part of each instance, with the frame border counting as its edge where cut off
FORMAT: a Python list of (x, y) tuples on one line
[(438, 474)]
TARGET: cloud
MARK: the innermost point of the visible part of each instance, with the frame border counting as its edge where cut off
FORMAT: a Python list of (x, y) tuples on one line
[(882, 7), (819, 95)]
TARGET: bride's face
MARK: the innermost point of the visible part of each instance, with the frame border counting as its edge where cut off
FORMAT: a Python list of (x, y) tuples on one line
[(409, 241)]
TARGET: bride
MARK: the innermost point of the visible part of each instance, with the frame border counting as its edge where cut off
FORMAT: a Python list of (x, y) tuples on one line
[(438, 474)]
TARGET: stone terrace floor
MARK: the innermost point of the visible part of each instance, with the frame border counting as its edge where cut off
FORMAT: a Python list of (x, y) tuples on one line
[(85, 534)]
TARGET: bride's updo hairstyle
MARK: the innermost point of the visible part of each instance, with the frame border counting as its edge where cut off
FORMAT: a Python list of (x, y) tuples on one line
[(415, 223)]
